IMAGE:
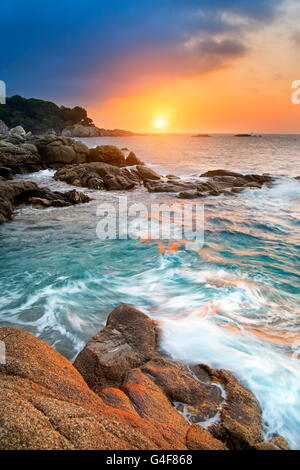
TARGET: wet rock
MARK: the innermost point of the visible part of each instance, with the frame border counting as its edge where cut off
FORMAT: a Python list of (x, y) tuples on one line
[(241, 423), (46, 404), (132, 159), (213, 173), (265, 446), (124, 355), (198, 438), (128, 341), (98, 176), (13, 193), (107, 154), (188, 195), (165, 187), (6, 173), (173, 177), (147, 174), (280, 442)]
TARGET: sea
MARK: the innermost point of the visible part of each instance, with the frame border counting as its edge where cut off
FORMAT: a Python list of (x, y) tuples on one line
[(232, 303)]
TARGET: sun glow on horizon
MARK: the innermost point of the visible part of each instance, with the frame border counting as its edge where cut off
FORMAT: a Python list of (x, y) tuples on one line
[(160, 122)]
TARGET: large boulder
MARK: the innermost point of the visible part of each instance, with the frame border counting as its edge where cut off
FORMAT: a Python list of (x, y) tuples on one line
[(107, 154), (59, 151), (17, 131), (20, 158), (125, 355), (124, 395), (46, 404)]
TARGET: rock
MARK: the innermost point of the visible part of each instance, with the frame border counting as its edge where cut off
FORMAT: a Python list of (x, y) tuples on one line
[(78, 130), (132, 159), (17, 131), (13, 193), (212, 173), (6, 173), (188, 195), (125, 149), (60, 151), (198, 438), (265, 446), (4, 130), (252, 185), (241, 425), (107, 154), (120, 397), (164, 187), (280, 442), (40, 201), (45, 404), (125, 355), (20, 158), (132, 339), (98, 176), (147, 173)]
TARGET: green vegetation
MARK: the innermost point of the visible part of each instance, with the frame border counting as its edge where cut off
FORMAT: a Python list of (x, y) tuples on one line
[(38, 116)]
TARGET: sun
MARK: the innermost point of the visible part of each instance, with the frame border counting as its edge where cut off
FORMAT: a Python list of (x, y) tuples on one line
[(160, 122)]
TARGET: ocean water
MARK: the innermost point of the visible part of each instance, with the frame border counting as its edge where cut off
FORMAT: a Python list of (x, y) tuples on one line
[(233, 304)]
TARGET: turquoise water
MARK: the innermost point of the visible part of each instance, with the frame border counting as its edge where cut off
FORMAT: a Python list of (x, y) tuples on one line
[(233, 304)]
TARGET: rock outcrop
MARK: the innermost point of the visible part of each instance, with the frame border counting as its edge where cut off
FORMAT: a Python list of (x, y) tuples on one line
[(107, 154), (99, 176), (111, 177), (132, 160), (78, 130), (14, 193), (125, 355), (59, 151), (120, 394), (20, 158)]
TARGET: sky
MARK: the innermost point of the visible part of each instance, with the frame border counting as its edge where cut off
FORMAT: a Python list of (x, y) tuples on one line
[(158, 65)]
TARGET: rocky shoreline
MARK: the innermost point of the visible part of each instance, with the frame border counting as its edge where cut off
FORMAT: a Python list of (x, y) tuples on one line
[(104, 167), (122, 392)]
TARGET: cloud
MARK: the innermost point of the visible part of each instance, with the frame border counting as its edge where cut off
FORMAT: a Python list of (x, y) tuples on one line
[(70, 48)]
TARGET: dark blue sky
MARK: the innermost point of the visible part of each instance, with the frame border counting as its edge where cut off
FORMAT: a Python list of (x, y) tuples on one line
[(63, 49)]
